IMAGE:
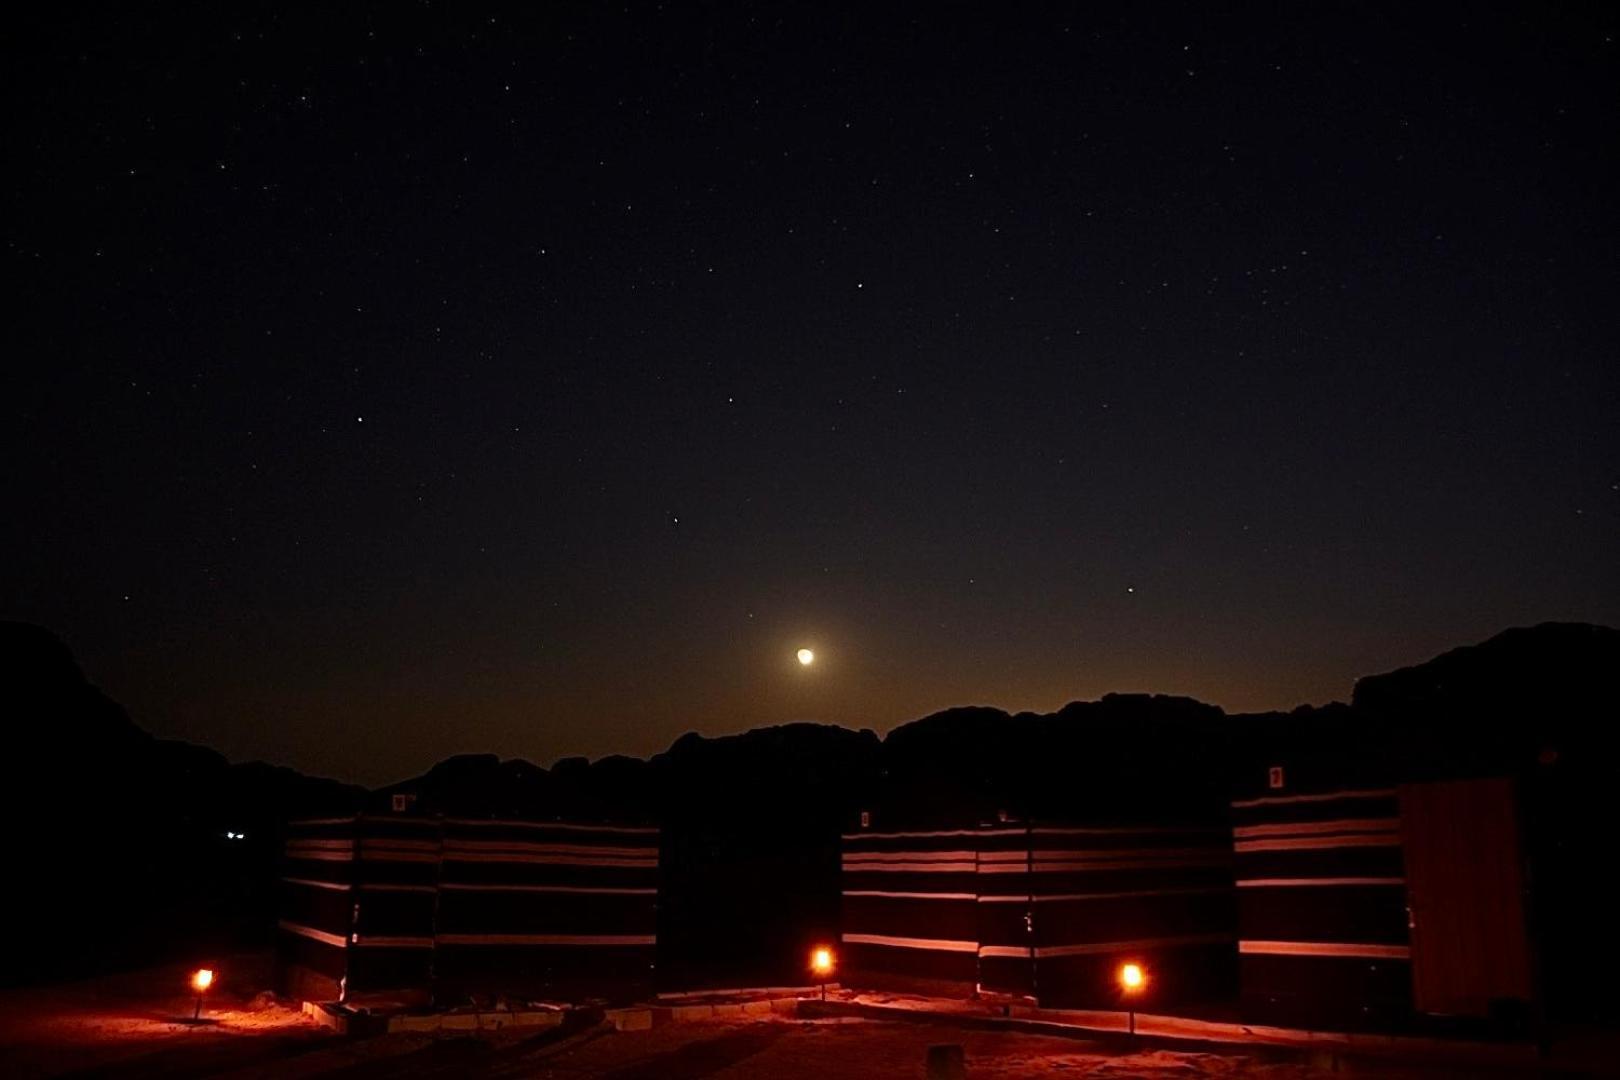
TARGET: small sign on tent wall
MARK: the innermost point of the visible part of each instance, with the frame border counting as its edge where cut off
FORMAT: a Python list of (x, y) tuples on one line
[(1274, 777)]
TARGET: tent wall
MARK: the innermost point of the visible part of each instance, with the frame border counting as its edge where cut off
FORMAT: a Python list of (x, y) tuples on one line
[(910, 910), (1322, 918), (1158, 895), (450, 907), (315, 908), (1047, 912), (391, 944), (1005, 889), (529, 905)]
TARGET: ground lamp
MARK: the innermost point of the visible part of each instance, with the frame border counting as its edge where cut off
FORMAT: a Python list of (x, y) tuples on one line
[(822, 964), (1132, 980), (201, 980)]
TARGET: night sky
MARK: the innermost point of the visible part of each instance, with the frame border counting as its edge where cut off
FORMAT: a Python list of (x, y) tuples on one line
[(391, 383)]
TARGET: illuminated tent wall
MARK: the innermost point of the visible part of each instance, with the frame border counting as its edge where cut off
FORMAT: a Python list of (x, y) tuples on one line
[(1095, 897), (1042, 911), (1323, 937), (1005, 916), (457, 906), (910, 919), (344, 879)]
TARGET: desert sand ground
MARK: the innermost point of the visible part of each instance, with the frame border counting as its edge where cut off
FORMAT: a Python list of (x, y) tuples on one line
[(138, 1025)]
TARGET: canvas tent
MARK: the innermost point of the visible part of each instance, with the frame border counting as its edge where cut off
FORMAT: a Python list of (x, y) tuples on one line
[(1377, 893), (1045, 911), (444, 907)]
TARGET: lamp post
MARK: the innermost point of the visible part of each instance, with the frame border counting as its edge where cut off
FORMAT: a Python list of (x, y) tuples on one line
[(822, 963), (201, 980), (1132, 980)]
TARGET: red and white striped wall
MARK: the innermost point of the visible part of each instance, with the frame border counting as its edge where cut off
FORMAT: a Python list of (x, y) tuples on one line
[(1322, 914), (1048, 911), (461, 905)]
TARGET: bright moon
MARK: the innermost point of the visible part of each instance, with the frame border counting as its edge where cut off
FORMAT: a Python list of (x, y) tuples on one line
[(806, 657)]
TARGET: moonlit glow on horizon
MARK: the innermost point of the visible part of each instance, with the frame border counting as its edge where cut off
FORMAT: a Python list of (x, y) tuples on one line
[(596, 514)]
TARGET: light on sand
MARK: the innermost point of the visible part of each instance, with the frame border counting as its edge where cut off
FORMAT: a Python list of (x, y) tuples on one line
[(201, 980), (822, 962)]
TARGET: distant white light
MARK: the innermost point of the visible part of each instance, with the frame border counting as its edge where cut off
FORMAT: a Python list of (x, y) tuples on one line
[(806, 657)]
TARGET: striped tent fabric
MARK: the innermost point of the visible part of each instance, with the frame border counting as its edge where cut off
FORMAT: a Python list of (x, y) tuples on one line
[(529, 904), (391, 932), (457, 906), (315, 907), (910, 918), (1156, 895), (1005, 889), (1322, 907), (1043, 911)]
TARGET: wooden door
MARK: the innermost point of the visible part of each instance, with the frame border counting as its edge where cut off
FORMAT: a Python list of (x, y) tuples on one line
[(1465, 886)]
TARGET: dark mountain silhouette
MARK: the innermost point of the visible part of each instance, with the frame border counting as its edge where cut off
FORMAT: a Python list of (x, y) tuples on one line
[(1115, 758), (752, 821), (123, 852), (1550, 682)]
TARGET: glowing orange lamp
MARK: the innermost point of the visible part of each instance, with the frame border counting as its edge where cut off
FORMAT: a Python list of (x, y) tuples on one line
[(1132, 981), (822, 963), (201, 980)]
